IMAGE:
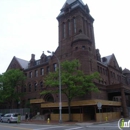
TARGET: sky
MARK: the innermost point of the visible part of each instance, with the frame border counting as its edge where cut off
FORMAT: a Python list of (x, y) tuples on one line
[(30, 27)]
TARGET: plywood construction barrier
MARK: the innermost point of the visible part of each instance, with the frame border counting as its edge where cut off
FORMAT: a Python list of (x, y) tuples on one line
[(65, 117), (107, 116), (81, 103)]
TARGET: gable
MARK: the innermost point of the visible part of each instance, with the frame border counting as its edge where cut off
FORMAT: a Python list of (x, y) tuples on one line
[(113, 62), (18, 63), (14, 64)]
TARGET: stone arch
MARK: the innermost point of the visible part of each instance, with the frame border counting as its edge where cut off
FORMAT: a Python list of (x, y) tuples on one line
[(49, 97)]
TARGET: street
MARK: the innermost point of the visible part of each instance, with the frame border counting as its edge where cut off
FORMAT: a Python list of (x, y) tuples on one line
[(78, 126)]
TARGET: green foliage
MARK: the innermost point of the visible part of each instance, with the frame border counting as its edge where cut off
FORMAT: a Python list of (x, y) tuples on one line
[(11, 80), (73, 81)]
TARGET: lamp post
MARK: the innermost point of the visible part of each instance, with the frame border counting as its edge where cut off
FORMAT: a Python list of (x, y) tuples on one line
[(60, 103)]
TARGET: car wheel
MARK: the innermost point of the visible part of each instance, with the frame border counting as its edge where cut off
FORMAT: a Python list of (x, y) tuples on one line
[(8, 121)]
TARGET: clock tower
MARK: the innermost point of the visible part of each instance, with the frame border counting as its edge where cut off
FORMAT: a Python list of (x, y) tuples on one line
[(76, 35)]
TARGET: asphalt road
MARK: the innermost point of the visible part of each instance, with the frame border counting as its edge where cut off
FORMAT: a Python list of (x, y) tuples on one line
[(12, 126), (80, 126)]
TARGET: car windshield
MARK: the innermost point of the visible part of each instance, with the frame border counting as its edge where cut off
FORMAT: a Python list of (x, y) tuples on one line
[(15, 115)]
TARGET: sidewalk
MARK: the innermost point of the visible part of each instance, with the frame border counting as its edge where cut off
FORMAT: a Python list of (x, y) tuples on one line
[(41, 122)]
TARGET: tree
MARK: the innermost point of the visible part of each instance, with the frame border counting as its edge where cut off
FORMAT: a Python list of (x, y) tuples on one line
[(74, 82), (11, 80)]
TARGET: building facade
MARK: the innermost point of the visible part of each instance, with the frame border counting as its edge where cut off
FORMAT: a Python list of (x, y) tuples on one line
[(76, 41)]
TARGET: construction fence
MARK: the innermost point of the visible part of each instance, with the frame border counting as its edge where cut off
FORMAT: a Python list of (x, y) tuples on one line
[(21, 111)]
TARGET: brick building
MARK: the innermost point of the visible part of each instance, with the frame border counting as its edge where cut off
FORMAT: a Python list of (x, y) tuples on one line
[(76, 41)]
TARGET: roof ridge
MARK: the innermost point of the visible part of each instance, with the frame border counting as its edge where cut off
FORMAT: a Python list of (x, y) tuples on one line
[(23, 63), (20, 59)]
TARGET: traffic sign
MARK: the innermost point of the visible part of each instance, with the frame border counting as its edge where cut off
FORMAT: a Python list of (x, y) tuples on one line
[(99, 105)]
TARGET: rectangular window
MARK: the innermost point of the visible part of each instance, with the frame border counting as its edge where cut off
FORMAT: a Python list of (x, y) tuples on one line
[(38, 62), (69, 28), (64, 30), (84, 29), (48, 69), (55, 67), (29, 87), (111, 73), (101, 69), (74, 22), (87, 27), (41, 84), (36, 73), (24, 89), (98, 69), (91, 65), (30, 74), (42, 71), (35, 86)]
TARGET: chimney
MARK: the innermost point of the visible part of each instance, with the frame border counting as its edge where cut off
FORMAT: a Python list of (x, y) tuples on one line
[(32, 57), (98, 55)]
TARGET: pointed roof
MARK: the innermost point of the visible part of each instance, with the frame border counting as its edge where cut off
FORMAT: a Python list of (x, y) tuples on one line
[(72, 4), (126, 71), (71, 1), (106, 59), (17, 63), (111, 61), (22, 63)]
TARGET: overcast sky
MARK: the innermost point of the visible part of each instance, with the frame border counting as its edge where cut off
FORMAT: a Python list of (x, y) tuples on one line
[(30, 27)]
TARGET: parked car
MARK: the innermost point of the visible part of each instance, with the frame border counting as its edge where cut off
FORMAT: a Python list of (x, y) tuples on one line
[(1, 115), (10, 117)]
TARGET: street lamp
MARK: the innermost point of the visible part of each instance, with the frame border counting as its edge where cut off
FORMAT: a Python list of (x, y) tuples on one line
[(60, 103)]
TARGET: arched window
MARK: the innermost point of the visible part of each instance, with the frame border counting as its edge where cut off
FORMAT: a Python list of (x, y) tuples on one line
[(29, 87), (48, 98), (35, 86)]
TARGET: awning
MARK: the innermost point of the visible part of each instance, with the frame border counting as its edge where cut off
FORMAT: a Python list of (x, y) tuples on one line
[(82, 103), (34, 101)]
